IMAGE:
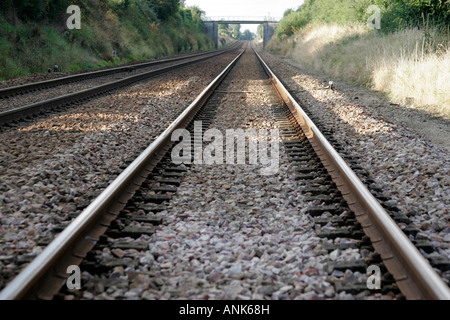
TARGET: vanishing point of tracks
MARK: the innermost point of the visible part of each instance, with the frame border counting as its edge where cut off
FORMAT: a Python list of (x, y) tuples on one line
[(128, 215)]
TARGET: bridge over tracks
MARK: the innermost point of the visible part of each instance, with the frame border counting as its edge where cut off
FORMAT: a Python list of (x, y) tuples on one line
[(212, 26)]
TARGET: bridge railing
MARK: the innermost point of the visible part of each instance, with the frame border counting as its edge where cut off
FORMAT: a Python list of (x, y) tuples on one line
[(237, 18)]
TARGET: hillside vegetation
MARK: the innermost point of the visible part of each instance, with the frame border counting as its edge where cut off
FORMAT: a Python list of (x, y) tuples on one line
[(408, 58), (34, 34)]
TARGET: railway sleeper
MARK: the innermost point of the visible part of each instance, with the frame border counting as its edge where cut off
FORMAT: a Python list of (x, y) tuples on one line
[(168, 188), (353, 265), (172, 174), (296, 153), (306, 163), (410, 230), (424, 245), (174, 182), (131, 231), (361, 290), (325, 199), (157, 198), (343, 232), (298, 149), (296, 143), (100, 266), (441, 263), (149, 207), (319, 190), (174, 169), (314, 177), (123, 244), (310, 169), (335, 220), (149, 218), (400, 218), (329, 247), (319, 210)]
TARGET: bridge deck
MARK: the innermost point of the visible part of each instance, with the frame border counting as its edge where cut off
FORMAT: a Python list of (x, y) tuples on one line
[(239, 21)]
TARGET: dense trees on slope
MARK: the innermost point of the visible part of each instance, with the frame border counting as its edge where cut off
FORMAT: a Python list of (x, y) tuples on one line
[(246, 35), (135, 29), (54, 10), (395, 14)]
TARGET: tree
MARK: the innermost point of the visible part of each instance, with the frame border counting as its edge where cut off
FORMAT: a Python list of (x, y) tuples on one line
[(56, 9), (287, 12), (246, 35), (223, 29), (33, 10), (260, 31), (235, 30), (37, 10), (395, 14), (166, 8)]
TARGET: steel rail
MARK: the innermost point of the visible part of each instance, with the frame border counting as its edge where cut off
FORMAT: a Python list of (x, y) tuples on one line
[(47, 273), (42, 106), (413, 274), (11, 91)]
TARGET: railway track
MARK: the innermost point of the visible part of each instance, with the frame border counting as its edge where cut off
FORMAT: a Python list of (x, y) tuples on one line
[(24, 101), (136, 206)]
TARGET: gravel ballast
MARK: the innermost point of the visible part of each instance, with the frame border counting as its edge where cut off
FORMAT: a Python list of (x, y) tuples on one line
[(229, 232), (51, 93), (410, 169), (52, 167)]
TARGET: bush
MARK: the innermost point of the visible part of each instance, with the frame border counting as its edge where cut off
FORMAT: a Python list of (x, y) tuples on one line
[(402, 14), (136, 29), (291, 23), (407, 63), (395, 14)]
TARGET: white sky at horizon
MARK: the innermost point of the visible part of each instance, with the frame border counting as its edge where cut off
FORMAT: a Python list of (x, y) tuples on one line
[(242, 8)]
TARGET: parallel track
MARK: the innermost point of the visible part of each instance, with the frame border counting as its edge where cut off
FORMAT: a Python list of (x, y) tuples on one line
[(30, 110), (30, 87), (44, 277)]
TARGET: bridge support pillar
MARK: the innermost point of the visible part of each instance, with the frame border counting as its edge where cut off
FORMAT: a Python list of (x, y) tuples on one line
[(268, 31), (212, 29)]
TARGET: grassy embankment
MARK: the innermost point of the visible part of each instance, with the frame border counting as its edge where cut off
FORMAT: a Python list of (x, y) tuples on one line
[(135, 33), (410, 64)]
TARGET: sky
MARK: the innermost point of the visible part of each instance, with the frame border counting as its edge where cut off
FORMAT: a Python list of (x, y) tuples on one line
[(243, 8)]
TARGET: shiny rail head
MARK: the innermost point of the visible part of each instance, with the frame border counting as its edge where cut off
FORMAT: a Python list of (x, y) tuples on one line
[(15, 90), (39, 267), (42, 106), (430, 285)]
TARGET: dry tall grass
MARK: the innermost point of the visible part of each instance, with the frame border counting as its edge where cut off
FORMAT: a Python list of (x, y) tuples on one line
[(410, 66)]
